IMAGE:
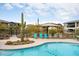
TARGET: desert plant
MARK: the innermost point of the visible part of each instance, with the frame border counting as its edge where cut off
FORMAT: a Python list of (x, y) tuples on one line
[(23, 24), (19, 42), (9, 43)]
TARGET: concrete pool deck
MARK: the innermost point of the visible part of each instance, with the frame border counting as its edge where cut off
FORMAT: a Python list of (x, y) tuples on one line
[(36, 43)]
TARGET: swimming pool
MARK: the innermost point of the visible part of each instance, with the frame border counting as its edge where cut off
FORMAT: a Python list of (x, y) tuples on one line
[(47, 49)]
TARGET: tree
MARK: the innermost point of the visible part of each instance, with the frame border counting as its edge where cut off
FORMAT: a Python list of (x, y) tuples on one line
[(60, 29), (32, 29), (3, 28), (11, 29), (77, 32), (17, 28), (53, 31)]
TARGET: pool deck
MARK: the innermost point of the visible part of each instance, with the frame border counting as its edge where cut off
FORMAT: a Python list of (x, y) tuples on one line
[(36, 43)]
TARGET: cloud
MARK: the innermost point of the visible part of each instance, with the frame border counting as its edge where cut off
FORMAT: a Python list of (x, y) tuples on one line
[(8, 6), (38, 10), (19, 5), (65, 12), (57, 12), (37, 5)]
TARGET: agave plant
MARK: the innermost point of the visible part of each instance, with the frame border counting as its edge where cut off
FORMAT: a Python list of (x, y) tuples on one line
[(23, 24)]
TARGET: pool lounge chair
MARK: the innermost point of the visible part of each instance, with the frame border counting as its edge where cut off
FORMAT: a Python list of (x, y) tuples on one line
[(35, 35), (46, 36), (41, 35)]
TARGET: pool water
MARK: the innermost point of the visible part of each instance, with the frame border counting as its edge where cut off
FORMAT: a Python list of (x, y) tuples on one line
[(47, 49)]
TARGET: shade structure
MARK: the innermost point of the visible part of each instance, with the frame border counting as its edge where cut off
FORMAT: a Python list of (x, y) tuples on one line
[(47, 25)]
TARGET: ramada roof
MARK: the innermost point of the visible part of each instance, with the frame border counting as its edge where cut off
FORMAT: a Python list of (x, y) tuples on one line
[(50, 24)]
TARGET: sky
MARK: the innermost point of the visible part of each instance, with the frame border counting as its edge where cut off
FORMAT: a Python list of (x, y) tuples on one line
[(45, 12)]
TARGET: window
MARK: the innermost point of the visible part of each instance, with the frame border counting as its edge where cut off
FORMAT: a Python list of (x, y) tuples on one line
[(71, 25), (71, 30)]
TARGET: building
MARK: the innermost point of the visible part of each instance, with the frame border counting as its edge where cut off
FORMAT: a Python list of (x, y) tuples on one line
[(8, 23), (10, 27), (71, 26)]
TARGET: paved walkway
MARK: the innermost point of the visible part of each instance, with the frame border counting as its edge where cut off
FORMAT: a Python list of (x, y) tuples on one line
[(36, 43)]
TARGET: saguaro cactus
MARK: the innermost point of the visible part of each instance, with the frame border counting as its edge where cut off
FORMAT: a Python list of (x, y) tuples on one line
[(23, 24)]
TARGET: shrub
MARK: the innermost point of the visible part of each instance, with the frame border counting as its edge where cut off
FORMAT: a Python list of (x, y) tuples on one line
[(18, 42), (9, 43)]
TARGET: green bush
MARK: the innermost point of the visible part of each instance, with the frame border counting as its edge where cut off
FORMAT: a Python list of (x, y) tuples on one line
[(77, 32), (52, 31)]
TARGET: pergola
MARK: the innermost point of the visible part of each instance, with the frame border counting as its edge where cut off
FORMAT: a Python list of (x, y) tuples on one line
[(47, 25)]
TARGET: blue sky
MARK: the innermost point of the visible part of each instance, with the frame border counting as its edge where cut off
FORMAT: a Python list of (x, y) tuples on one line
[(46, 12)]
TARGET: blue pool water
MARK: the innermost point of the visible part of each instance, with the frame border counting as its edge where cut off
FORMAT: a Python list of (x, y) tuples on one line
[(47, 49)]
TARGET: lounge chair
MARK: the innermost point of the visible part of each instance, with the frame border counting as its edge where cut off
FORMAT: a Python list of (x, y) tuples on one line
[(45, 35), (35, 35), (41, 35)]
